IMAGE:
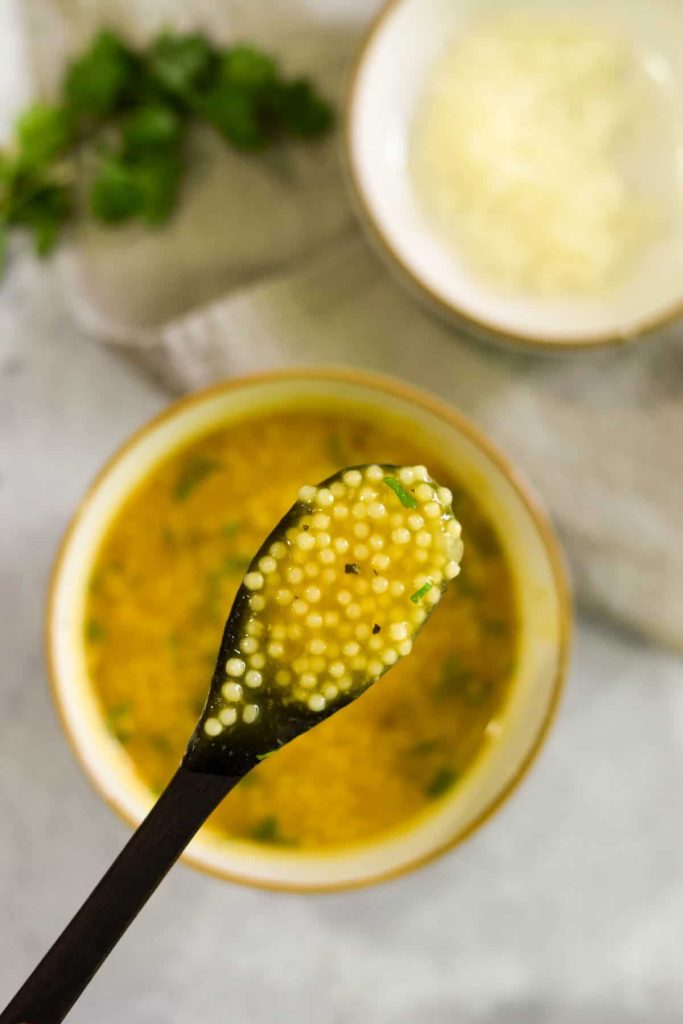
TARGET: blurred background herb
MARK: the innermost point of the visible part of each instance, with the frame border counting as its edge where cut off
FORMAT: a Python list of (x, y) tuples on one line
[(132, 111)]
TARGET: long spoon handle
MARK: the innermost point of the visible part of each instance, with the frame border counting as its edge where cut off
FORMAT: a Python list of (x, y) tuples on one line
[(65, 970)]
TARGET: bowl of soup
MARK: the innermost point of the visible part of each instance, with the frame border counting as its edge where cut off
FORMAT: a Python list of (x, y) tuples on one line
[(146, 576)]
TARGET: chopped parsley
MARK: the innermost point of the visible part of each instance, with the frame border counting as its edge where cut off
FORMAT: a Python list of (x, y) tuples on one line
[(419, 594), (352, 568), (195, 470), (404, 496), (440, 782)]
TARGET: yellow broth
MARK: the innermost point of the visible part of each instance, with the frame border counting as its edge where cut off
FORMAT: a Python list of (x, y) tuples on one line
[(163, 584)]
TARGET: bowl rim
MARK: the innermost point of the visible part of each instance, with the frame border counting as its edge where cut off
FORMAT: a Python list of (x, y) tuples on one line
[(441, 409), (644, 330)]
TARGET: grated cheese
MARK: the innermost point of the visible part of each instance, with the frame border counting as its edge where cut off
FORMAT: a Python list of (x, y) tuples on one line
[(518, 153)]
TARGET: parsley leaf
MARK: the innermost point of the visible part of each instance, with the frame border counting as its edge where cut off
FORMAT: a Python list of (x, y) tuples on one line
[(154, 126), (97, 83), (183, 63), (43, 132)]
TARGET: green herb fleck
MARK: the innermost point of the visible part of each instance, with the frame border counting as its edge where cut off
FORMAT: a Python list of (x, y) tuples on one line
[(419, 594), (160, 743), (196, 469), (404, 496), (263, 757), (95, 631), (236, 564), (336, 451), (116, 721), (352, 568), (267, 830), (98, 81), (440, 782), (424, 748)]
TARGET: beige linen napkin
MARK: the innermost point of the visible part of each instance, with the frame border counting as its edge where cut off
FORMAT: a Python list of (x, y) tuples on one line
[(264, 267)]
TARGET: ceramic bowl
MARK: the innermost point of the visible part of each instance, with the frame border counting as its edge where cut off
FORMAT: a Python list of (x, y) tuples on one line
[(541, 594), (386, 87)]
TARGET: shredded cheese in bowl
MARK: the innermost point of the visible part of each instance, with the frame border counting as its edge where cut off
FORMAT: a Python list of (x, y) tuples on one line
[(519, 153)]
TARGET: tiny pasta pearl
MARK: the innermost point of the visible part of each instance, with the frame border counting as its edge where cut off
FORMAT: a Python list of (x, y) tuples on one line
[(344, 597), (362, 631), (328, 575), (421, 472), (344, 683), (330, 691), (351, 649), (399, 631), (375, 643), (321, 521), (432, 510), (294, 574), (323, 540), (338, 489), (423, 539), (352, 478), (318, 664), (235, 667), (253, 679), (396, 519), (451, 570), (405, 647), (250, 713), (390, 656), (445, 495), (401, 535), (340, 512), (380, 584), (307, 494), (361, 530), (374, 473), (376, 510), (212, 727), (284, 597), (397, 589), (317, 646), (337, 669), (312, 568), (232, 691), (381, 562), (341, 545), (376, 542), (282, 677), (359, 510), (257, 602), (312, 594), (424, 492), (228, 716), (253, 581), (406, 476), (418, 616), (314, 620), (304, 541), (354, 611), (415, 522), (325, 498), (331, 619), (433, 596), (308, 680), (257, 661), (299, 607), (375, 667), (421, 555), (279, 632), (267, 564), (327, 556), (453, 528), (316, 702), (276, 649), (249, 644), (361, 552), (278, 549)]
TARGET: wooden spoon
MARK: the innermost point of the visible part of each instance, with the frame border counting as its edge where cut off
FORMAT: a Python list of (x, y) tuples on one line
[(334, 597)]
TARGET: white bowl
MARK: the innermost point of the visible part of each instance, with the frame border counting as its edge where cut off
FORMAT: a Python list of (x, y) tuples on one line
[(394, 63), (542, 599)]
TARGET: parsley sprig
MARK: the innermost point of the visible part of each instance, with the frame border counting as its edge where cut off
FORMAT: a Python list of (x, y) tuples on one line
[(131, 109)]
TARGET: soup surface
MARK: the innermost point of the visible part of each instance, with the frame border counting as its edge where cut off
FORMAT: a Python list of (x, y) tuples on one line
[(162, 587)]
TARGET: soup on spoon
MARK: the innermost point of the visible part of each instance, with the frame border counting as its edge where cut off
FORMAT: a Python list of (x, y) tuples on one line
[(334, 597)]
